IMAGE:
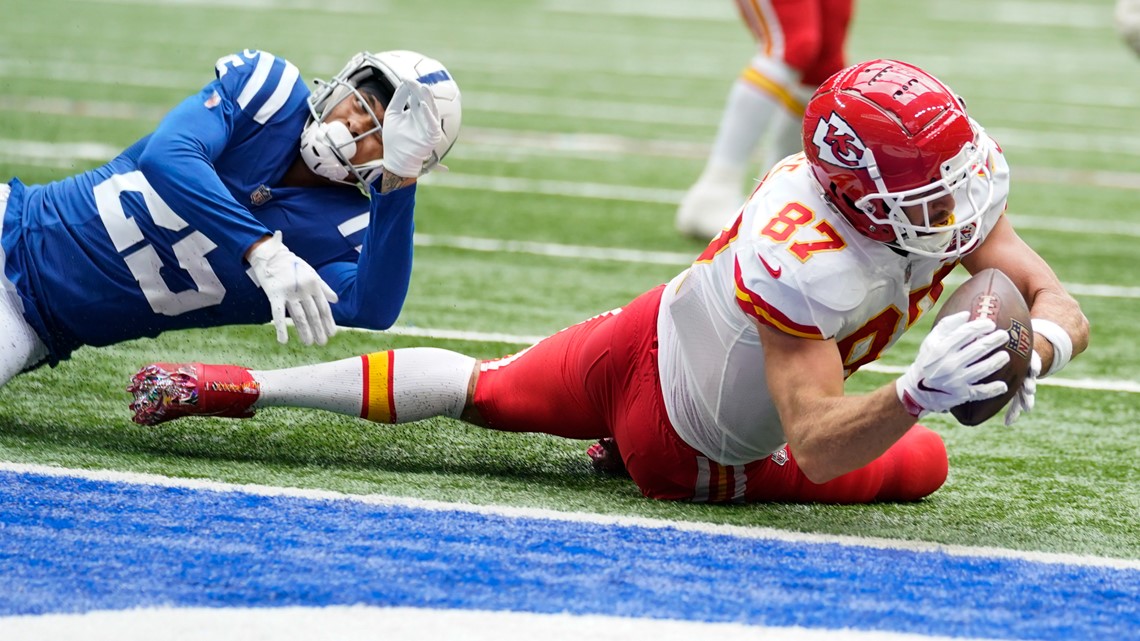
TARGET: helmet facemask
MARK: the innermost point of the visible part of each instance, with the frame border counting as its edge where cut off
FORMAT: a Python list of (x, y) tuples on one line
[(966, 176), (328, 147)]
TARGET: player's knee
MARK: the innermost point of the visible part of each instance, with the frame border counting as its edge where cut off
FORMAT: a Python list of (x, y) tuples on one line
[(919, 466)]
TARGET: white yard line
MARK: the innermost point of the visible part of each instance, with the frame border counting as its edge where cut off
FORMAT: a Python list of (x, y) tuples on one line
[(677, 259), (359, 622), (509, 511), (1093, 384)]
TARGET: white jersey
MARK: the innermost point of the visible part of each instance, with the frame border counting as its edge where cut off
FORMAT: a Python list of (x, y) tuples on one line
[(792, 263)]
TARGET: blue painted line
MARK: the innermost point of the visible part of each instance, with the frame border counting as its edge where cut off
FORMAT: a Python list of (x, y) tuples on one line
[(74, 545)]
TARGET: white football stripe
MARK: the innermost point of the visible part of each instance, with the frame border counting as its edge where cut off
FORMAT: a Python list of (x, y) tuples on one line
[(280, 95), (351, 623), (679, 259), (256, 79), (1096, 384)]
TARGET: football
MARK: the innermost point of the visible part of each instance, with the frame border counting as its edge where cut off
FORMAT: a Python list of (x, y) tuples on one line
[(991, 294)]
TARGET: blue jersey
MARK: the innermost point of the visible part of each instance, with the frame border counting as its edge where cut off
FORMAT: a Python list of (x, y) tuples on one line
[(154, 240)]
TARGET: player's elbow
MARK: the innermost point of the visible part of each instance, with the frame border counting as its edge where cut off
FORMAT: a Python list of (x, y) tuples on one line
[(374, 319), (816, 468), (816, 460)]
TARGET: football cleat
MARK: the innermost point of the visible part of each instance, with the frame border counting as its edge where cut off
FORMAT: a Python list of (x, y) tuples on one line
[(707, 208), (166, 391), (606, 458)]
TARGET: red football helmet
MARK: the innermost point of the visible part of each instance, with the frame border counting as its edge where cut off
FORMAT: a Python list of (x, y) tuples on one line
[(884, 135)]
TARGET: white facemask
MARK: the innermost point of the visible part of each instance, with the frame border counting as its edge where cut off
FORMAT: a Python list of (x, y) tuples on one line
[(327, 148)]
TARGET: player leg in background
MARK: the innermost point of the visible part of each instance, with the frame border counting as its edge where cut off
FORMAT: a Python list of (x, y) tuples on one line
[(835, 20), (20, 347), (768, 91)]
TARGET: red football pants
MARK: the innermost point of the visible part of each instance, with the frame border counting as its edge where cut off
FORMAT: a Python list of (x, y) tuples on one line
[(811, 34), (599, 378)]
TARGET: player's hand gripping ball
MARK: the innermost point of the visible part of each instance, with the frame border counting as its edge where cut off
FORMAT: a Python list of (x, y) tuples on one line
[(991, 294)]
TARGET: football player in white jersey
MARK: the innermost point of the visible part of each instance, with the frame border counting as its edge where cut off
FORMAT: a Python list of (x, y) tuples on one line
[(727, 384), (254, 199)]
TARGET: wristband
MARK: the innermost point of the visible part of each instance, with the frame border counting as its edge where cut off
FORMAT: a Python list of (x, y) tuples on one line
[(1059, 339)]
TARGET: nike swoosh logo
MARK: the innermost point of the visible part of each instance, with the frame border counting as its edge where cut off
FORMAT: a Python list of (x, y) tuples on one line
[(774, 271), (922, 386)]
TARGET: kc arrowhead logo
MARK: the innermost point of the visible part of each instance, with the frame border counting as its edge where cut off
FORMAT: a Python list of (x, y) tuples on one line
[(838, 143)]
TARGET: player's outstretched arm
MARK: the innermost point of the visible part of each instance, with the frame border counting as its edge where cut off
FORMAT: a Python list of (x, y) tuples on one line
[(372, 291), (1061, 330), (1066, 331), (832, 434)]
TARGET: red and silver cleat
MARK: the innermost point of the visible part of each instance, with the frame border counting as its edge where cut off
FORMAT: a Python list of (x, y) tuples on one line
[(606, 458), (166, 391)]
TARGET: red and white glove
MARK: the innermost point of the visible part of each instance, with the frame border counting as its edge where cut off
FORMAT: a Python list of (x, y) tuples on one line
[(1022, 402), (951, 364), (292, 284), (411, 129)]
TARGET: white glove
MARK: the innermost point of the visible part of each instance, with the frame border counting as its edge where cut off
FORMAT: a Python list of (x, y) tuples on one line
[(947, 371), (1023, 401), (290, 283), (411, 129)]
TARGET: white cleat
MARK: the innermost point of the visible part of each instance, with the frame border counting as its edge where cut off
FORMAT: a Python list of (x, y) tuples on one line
[(708, 208)]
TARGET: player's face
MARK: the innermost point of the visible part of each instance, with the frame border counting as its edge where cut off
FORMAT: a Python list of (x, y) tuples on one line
[(940, 211), (356, 112)]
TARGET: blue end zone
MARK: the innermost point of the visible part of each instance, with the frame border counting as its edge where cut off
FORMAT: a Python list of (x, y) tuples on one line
[(73, 545)]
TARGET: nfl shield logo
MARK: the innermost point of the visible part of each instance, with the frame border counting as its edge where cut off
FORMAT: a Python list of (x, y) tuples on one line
[(260, 196)]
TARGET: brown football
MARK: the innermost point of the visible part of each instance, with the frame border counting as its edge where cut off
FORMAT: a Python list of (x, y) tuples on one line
[(991, 294)]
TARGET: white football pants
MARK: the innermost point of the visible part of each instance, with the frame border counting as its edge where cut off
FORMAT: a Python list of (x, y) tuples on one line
[(20, 347)]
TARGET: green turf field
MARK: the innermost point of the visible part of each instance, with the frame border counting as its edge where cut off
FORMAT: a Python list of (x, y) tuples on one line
[(584, 122)]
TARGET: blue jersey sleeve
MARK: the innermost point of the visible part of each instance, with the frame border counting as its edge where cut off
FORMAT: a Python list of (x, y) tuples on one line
[(178, 162), (372, 290)]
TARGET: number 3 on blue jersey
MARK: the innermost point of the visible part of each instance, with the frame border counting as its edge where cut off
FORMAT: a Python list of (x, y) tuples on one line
[(144, 262)]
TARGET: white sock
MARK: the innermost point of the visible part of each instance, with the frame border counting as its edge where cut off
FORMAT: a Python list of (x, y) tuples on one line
[(787, 136), (398, 386), (761, 94)]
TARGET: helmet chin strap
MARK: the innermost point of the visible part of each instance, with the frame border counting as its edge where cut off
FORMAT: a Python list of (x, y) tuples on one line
[(326, 148)]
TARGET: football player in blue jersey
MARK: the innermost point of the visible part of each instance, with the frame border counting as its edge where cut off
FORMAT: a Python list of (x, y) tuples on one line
[(253, 200)]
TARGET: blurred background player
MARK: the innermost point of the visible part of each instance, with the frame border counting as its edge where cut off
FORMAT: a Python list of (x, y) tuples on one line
[(254, 199), (727, 384), (1127, 20), (800, 44)]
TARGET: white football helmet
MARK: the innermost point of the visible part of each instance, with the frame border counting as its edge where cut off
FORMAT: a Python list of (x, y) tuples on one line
[(328, 147)]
